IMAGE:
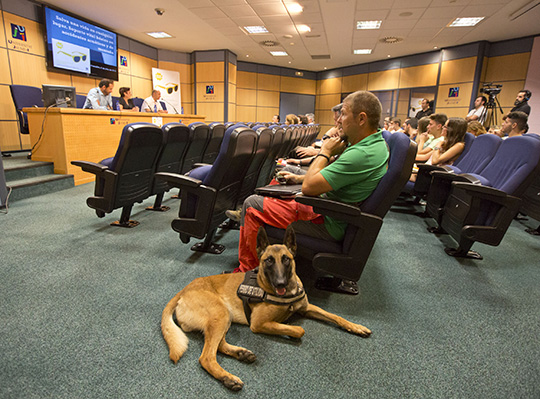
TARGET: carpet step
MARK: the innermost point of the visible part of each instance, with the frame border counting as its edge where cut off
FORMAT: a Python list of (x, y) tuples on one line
[(38, 185)]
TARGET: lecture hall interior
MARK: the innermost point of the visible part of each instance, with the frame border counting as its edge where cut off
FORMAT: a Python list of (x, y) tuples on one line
[(82, 300)]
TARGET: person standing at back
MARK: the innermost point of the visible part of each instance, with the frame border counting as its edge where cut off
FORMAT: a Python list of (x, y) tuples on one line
[(100, 97)]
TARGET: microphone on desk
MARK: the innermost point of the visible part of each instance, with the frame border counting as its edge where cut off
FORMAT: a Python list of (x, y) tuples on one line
[(166, 102)]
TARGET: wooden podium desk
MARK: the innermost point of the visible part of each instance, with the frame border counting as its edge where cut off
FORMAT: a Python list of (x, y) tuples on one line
[(73, 134)]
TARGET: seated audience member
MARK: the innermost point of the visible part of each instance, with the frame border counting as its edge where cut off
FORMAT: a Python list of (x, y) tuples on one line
[(275, 119), (311, 119), (515, 124), (522, 102), (451, 146), (152, 103), (100, 97), (478, 113), (125, 101), (476, 128), (350, 179), (429, 140), (303, 119), (496, 129), (395, 125), (426, 110), (411, 127), (291, 119), (386, 123), (312, 150)]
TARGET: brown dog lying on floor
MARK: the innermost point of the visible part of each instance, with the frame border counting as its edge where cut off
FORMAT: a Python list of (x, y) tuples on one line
[(210, 304)]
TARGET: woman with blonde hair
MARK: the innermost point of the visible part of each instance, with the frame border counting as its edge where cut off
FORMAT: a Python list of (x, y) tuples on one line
[(291, 119), (476, 128)]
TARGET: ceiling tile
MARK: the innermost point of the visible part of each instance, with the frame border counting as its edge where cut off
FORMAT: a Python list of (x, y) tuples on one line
[(196, 3), (208, 12), (224, 3), (416, 13), (239, 11), (247, 21), (263, 9), (442, 13), (376, 15), (374, 5)]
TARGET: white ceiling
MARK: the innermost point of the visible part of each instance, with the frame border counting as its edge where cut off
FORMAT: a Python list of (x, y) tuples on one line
[(215, 24)]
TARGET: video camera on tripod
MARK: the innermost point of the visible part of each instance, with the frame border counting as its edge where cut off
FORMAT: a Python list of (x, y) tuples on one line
[(490, 115), (491, 89)]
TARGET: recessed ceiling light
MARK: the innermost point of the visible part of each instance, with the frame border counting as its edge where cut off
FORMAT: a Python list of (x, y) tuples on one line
[(362, 51), (325, 68), (255, 29), (287, 36), (368, 24), (303, 28), (279, 53), (247, 55), (435, 47), (388, 55), (294, 8), (465, 21), (158, 35), (290, 62)]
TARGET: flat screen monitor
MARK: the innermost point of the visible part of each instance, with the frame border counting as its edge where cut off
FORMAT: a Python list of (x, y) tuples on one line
[(80, 47), (59, 96)]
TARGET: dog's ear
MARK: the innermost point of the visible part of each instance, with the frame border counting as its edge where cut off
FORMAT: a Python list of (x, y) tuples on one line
[(262, 241), (290, 239)]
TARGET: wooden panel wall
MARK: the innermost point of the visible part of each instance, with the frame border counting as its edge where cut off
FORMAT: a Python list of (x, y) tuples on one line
[(211, 105), (329, 94), (257, 96)]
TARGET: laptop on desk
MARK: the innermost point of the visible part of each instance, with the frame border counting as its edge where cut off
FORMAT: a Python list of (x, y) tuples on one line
[(283, 191)]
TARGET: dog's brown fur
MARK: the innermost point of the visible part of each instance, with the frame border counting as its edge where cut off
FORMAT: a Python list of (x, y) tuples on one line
[(210, 304)]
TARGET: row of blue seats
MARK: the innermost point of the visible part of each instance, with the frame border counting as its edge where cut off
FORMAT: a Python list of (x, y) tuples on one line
[(477, 197), (177, 149)]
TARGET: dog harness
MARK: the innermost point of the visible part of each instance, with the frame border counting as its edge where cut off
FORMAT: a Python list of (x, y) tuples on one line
[(250, 292)]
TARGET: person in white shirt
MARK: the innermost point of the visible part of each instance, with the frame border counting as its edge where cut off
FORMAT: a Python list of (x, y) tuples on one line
[(478, 113), (152, 103)]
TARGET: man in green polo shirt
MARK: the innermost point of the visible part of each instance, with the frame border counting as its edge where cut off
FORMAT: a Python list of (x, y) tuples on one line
[(351, 178)]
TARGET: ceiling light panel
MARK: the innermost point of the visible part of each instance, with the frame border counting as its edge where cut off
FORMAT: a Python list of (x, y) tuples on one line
[(368, 24), (279, 53), (253, 30), (467, 21), (362, 51), (294, 8), (159, 35)]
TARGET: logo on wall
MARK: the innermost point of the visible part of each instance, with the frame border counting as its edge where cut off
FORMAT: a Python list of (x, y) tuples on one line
[(453, 92), (210, 89), (18, 32), (123, 61)]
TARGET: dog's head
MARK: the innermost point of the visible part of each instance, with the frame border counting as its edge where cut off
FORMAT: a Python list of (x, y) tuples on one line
[(276, 262)]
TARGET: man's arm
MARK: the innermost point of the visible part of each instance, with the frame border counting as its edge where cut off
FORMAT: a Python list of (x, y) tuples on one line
[(314, 183), (93, 96)]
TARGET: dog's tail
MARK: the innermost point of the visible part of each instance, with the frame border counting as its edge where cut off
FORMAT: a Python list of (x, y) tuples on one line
[(174, 336)]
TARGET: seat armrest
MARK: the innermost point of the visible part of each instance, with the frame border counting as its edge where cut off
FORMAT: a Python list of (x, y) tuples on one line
[(428, 168), (338, 210), (447, 168), (179, 181), (453, 177), (91, 167), (326, 204), (471, 179), (198, 165), (484, 192)]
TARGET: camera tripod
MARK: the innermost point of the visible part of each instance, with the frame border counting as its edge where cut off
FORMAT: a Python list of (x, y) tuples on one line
[(490, 112)]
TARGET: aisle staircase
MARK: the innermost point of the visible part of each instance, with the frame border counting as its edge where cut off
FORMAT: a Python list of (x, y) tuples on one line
[(28, 178)]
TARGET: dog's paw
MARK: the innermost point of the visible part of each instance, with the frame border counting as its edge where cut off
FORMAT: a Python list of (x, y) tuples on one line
[(360, 330), (246, 356), (233, 383)]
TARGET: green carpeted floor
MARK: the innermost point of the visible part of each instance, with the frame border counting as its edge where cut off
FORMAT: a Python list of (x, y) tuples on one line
[(81, 304)]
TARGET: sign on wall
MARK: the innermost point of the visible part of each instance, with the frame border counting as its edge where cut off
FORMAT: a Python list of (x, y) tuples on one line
[(168, 83)]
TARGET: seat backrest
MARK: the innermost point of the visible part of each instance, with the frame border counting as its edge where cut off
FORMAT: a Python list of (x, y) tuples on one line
[(226, 173), (481, 151), (134, 163), (512, 167), (287, 141), (197, 144), (25, 96), (138, 102), (402, 153), (175, 143), (115, 102), (269, 165), (217, 130), (80, 99), (468, 139), (264, 143)]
